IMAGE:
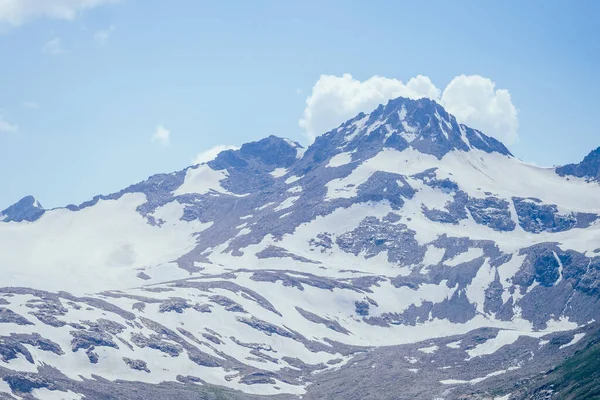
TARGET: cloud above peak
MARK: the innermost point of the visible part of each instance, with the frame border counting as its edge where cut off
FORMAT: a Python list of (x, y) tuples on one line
[(162, 135), (473, 100), (16, 12)]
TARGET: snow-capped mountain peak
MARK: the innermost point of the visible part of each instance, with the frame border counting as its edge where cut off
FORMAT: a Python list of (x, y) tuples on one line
[(403, 123)]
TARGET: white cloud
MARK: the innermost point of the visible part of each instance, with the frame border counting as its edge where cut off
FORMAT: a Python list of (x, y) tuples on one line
[(103, 35), (212, 153), (54, 47), (16, 12), (162, 135), (336, 99), (6, 127), (473, 100), (31, 104)]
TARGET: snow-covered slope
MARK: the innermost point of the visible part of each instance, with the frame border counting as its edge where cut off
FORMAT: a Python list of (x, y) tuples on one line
[(400, 247)]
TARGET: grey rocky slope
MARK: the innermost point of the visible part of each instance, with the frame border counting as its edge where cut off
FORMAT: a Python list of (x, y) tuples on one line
[(401, 255), (26, 209), (588, 168)]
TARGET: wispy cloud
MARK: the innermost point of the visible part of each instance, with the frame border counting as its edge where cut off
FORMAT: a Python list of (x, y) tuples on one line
[(162, 135), (16, 12), (54, 47), (6, 127), (31, 104), (103, 35)]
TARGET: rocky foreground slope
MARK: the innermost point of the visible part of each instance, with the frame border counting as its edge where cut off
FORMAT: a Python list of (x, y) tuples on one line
[(402, 255)]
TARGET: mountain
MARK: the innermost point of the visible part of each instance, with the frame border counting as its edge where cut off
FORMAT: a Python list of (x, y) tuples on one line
[(26, 209), (589, 168), (401, 255)]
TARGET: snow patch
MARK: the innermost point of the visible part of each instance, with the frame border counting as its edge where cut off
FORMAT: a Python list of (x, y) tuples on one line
[(287, 203), (202, 180), (429, 350), (278, 172), (576, 338), (504, 338), (477, 380), (469, 255), (46, 394), (292, 179), (339, 159)]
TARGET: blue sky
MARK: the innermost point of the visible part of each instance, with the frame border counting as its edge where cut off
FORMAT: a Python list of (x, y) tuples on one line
[(83, 90)]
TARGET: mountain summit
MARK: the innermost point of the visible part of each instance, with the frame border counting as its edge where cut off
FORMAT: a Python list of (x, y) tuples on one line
[(400, 255), (420, 124), (26, 209)]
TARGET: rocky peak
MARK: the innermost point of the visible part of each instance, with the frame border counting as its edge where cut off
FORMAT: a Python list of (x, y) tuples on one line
[(272, 151), (26, 209), (588, 168), (422, 124)]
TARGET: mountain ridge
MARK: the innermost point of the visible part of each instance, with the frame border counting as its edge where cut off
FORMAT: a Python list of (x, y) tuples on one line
[(587, 168)]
